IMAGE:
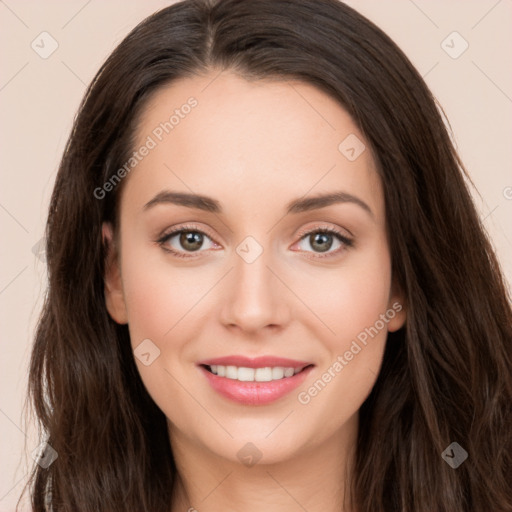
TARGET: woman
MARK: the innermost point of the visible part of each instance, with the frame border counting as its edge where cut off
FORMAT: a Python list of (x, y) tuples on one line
[(268, 285)]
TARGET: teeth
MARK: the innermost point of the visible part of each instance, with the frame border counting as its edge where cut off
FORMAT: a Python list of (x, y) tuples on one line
[(244, 374), (263, 374), (277, 372), (288, 372), (231, 372)]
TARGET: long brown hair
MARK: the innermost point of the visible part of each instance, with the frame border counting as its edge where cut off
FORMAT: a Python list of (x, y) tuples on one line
[(446, 376)]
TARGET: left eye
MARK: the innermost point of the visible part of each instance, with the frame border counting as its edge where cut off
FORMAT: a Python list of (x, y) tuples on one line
[(189, 240), (322, 240)]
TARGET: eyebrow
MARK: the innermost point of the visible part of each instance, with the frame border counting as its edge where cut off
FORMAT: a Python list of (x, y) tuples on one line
[(300, 205)]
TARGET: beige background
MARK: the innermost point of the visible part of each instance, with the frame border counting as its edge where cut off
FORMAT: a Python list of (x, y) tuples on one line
[(39, 97)]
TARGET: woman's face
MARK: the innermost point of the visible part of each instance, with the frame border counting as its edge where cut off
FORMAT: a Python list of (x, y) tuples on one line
[(242, 167)]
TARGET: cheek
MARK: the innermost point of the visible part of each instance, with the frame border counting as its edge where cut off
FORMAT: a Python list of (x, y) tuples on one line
[(159, 302), (351, 302), (350, 298), (157, 293)]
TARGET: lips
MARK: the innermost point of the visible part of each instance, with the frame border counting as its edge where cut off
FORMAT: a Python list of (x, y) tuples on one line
[(257, 362), (256, 381)]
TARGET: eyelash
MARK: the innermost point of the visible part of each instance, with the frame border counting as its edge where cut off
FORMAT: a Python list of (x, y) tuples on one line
[(347, 242)]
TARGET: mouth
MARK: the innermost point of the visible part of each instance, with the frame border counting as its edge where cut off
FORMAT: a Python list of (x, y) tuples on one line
[(261, 374), (257, 381)]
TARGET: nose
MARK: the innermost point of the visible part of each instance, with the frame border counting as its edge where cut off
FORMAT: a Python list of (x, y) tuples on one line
[(254, 297)]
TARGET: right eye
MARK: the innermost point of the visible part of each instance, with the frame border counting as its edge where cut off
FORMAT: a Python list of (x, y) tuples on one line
[(183, 240)]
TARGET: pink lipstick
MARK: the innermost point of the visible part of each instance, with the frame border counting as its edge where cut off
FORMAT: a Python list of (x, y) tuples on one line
[(254, 381)]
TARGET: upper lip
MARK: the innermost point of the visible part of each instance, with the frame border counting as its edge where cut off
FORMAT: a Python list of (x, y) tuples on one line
[(256, 362)]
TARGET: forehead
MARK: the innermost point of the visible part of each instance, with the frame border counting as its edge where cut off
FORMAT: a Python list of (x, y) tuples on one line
[(261, 139)]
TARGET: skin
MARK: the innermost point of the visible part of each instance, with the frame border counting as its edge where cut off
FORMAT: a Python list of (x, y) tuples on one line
[(254, 147)]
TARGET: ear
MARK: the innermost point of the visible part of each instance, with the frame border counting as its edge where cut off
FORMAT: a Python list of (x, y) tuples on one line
[(114, 295), (397, 311)]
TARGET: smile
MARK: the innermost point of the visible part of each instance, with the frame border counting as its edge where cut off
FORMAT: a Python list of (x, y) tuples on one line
[(244, 374), (257, 381)]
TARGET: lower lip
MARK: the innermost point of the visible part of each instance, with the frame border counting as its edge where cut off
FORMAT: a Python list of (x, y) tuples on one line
[(255, 393)]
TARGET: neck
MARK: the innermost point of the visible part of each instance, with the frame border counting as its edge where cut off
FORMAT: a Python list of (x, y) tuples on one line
[(316, 479)]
